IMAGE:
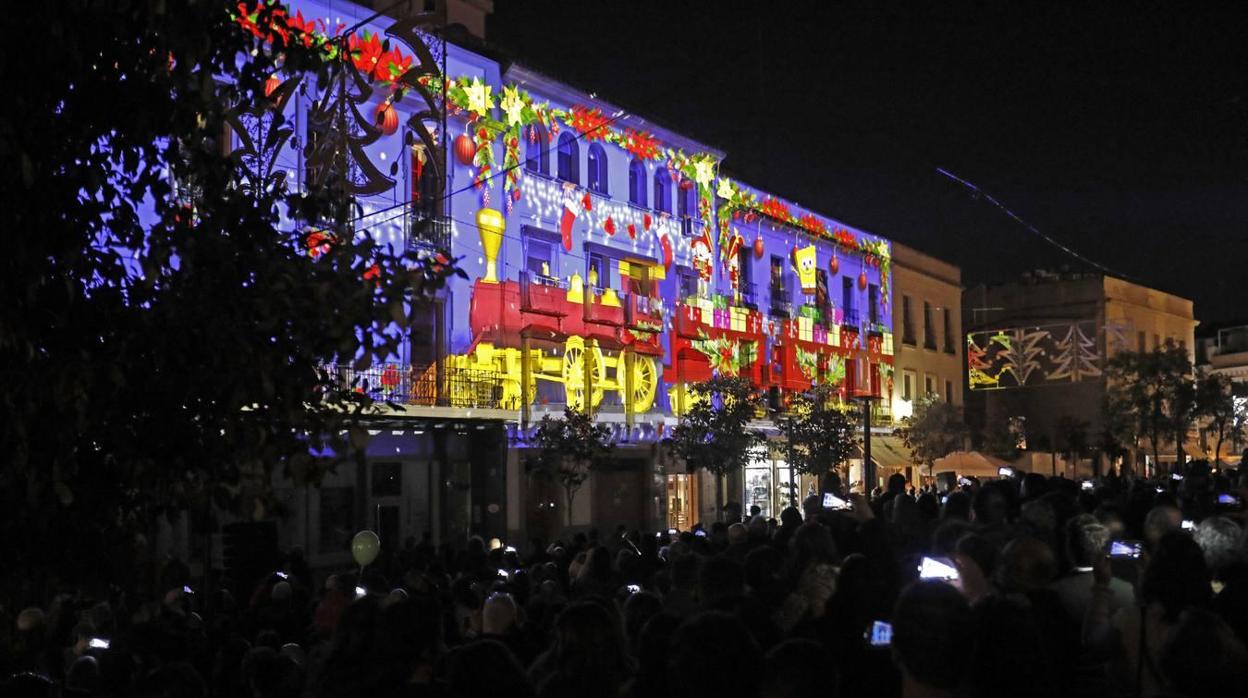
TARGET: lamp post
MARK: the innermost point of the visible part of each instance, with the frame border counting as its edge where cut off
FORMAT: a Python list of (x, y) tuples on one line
[(863, 392), (868, 465)]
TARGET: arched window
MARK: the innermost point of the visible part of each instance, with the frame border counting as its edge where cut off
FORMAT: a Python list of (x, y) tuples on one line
[(569, 159), (637, 183), (685, 207), (597, 165), (537, 151), (662, 191)]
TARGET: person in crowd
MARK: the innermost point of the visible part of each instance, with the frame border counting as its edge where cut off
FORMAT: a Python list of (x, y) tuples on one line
[(1087, 542), (589, 655), (933, 634), (1175, 580), (748, 608)]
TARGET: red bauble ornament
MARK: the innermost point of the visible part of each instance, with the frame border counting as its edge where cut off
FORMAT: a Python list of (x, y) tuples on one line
[(646, 221), (632, 231), (758, 247), (386, 117), (609, 226), (834, 265), (862, 280), (686, 184), (465, 149), (271, 85)]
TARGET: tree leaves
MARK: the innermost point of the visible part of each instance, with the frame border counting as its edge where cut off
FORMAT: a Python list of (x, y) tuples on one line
[(715, 433)]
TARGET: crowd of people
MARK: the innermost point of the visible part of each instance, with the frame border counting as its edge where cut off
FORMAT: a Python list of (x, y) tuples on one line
[(1030, 586)]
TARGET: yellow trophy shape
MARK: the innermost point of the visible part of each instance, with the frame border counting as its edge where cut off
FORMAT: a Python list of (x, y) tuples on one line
[(490, 226)]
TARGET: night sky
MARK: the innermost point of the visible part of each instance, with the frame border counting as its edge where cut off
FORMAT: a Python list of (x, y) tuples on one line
[(1119, 129)]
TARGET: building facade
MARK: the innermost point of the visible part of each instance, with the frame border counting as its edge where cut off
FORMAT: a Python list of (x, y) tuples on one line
[(927, 331), (1037, 350), (1224, 350), (610, 264)]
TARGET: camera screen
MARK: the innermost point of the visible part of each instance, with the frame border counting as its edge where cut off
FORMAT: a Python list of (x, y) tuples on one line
[(1125, 548), (937, 568), (831, 501), (881, 634)]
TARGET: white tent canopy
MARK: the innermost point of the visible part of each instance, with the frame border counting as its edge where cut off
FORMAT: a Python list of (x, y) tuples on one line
[(970, 464)]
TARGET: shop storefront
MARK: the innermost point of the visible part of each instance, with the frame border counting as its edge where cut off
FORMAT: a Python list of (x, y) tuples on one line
[(767, 483)]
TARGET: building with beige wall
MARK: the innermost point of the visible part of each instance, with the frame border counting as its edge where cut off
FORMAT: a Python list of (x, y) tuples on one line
[(1038, 348), (927, 327)]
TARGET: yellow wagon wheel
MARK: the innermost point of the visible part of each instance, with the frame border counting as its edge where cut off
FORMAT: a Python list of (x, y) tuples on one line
[(645, 385), (575, 354)]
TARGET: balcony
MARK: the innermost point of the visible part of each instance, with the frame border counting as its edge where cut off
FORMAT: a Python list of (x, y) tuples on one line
[(690, 226), (881, 414), (749, 295), (849, 318), (781, 302), (643, 313), (426, 231), (876, 328), (422, 385), (544, 295), (603, 305)]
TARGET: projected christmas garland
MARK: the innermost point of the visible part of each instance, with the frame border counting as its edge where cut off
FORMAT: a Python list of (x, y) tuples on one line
[(475, 101), (738, 204)]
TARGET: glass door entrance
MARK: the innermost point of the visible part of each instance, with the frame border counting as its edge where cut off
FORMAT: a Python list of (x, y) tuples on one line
[(682, 502)]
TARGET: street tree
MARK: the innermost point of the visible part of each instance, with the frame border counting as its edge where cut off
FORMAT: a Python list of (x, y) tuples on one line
[(1217, 405), (165, 326), (1073, 438), (567, 449), (819, 435), (1152, 395), (934, 430), (714, 435)]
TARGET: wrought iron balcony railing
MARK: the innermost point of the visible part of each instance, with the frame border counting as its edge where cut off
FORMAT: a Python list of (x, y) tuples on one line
[(428, 385), (425, 230)]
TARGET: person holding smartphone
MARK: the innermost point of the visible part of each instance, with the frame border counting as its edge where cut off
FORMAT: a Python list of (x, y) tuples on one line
[(1175, 579)]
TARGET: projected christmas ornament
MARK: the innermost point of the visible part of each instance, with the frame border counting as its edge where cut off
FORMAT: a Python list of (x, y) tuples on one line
[(465, 149), (386, 117)]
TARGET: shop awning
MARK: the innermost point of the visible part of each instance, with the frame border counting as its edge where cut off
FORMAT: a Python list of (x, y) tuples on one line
[(889, 452), (970, 463)]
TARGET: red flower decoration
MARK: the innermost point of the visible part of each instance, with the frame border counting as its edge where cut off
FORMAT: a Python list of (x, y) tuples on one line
[(392, 65), (844, 238), (811, 223), (365, 53), (590, 123), (609, 226), (775, 209), (632, 231), (646, 221), (641, 144)]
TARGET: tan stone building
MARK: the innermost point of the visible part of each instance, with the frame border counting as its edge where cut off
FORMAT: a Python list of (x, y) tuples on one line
[(927, 326), (1038, 348), (928, 347)]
